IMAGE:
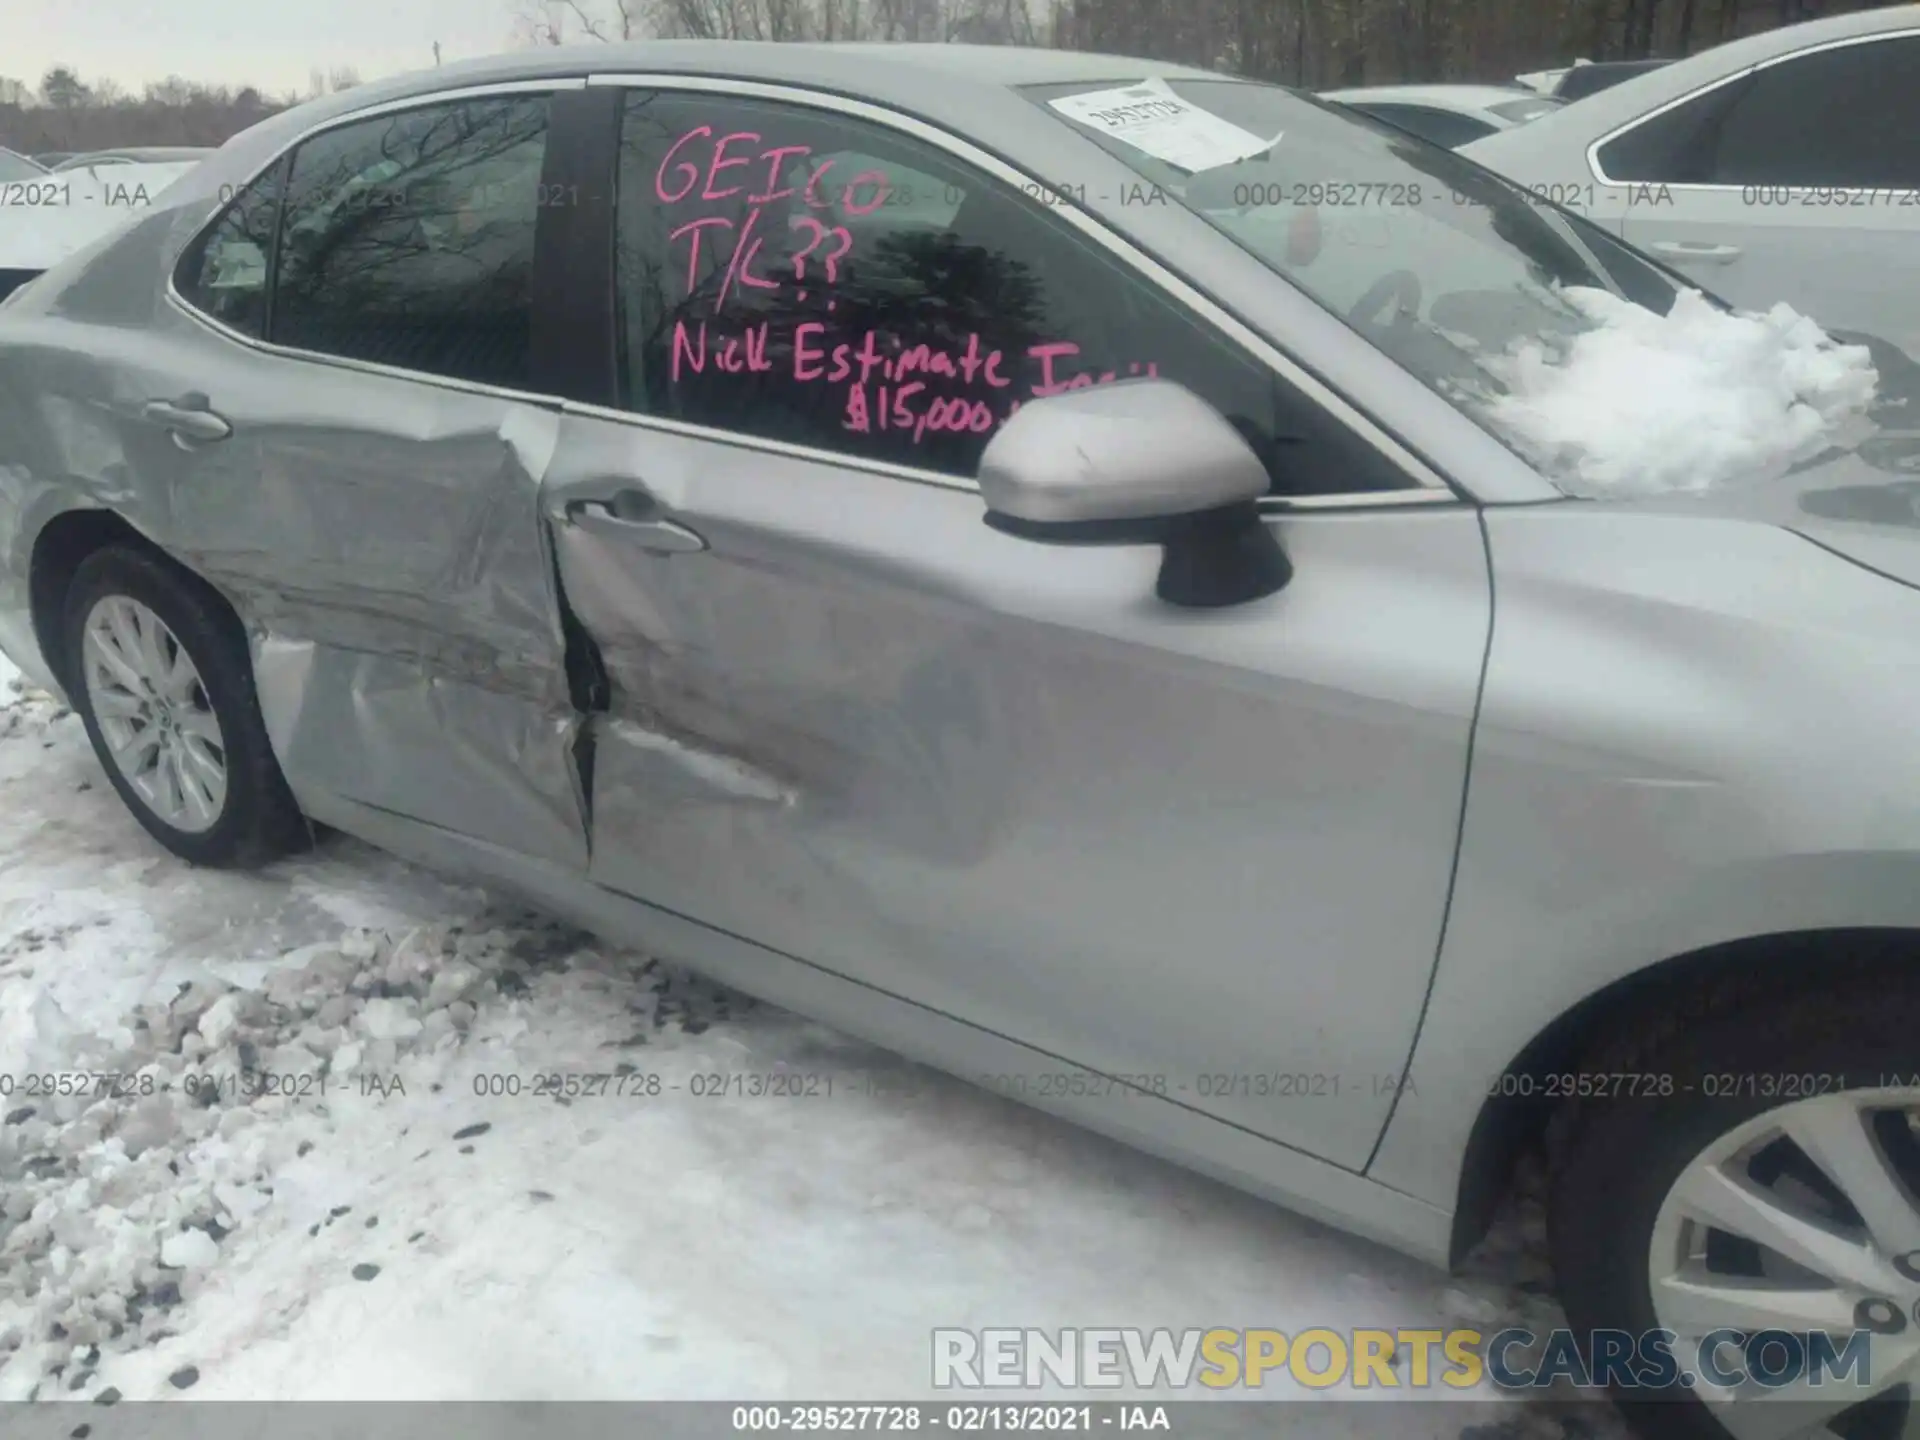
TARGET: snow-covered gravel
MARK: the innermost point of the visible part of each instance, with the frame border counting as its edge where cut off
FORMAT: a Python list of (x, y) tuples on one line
[(392, 1228)]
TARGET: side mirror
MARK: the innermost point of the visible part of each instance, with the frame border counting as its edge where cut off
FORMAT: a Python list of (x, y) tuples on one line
[(1139, 462)]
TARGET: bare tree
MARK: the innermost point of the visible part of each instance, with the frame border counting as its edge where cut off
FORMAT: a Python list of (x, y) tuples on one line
[(1300, 42), (561, 22)]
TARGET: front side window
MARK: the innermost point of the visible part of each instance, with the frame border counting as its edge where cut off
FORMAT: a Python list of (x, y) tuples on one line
[(791, 274), (1439, 263), (408, 240), (224, 273), (1846, 116)]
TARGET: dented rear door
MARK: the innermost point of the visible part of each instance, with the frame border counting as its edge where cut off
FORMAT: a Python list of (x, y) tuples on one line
[(365, 321)]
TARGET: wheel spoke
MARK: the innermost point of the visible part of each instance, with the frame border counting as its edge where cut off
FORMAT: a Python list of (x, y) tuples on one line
[(116, 704), (124, 631), (132, 751), (1803, 1408), (197, 795), (1833, 1132), (153, 649), (172, 789), (103, 648), (203, 773), (1697, 1304), (180, 679), (201, 725), (1735, 1204)]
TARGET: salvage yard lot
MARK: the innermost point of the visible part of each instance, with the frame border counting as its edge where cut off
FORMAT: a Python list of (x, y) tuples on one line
[(437, 1242)]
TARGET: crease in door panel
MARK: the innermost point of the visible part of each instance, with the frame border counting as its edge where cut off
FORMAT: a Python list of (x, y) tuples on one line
[(709, 770)]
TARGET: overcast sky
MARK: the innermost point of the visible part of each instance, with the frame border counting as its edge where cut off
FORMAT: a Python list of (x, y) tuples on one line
[(273, 44)]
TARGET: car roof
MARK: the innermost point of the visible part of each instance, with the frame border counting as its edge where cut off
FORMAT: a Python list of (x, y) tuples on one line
[(1467, 99), (145, 152), (1594, 115), (965, 89), (874, 70)]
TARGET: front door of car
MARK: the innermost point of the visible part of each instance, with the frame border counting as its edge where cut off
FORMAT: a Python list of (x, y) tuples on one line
[(1202, 853), (373, 501), (1796, 182)]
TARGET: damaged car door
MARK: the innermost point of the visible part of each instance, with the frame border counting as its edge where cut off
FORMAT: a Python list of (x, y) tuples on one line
[(1201, 855), (358, 441)]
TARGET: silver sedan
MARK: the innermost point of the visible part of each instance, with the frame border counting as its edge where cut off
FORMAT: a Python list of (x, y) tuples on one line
[(570, 470)]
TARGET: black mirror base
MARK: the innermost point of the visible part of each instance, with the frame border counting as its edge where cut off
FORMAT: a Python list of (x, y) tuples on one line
[(1208, 560), (1221, 557)]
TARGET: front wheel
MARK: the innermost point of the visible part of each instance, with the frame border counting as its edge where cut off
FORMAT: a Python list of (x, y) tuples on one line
[(159, 670), (1760, 1213)]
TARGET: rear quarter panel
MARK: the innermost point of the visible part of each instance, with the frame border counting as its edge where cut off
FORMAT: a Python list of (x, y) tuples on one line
[(70, 433)]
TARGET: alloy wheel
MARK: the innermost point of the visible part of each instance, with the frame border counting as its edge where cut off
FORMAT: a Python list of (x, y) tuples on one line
[(153, 712), (1803, 1221)]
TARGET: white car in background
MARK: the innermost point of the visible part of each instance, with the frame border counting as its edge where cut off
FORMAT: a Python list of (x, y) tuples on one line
[(1785, 166), (138, 155), (15, 166), (46, 216), (1449, 115)]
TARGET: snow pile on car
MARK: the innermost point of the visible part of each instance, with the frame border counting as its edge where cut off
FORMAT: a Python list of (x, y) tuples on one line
[(1639, 403)]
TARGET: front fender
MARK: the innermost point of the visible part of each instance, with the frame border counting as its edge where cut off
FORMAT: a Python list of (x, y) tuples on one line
[(1694, 731)]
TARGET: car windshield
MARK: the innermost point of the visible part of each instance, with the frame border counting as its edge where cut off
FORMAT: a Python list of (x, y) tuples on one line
[(18, 167), (1440, 263)]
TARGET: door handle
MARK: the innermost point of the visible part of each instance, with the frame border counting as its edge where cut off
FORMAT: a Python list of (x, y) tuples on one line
[(651, 532), (187, 420), (1699, 252)]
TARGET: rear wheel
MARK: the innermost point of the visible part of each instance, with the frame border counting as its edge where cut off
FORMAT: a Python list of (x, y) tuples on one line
[(158, 669), (1762, 1203)]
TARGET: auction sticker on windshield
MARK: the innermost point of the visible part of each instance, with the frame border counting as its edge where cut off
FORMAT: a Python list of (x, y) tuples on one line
[(1151, 118)]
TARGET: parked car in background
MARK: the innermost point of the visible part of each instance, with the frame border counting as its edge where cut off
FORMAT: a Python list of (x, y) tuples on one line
[(46, 216), (138, 155), (1448, 115), (15, 166), (1593, 76), (1042, 629), (1590, 77), (1784, 166)]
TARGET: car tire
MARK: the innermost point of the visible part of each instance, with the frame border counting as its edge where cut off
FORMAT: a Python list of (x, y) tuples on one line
[(1717, 1075), (179, 725)]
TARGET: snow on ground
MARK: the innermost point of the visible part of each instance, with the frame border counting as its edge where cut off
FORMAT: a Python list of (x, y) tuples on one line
[(1644, 404), (411, 1234)]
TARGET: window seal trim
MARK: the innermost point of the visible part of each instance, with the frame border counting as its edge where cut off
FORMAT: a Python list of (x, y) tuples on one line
[(281, 156), (940, 480), (367, 367), (1593, 150), (1228, 325)]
